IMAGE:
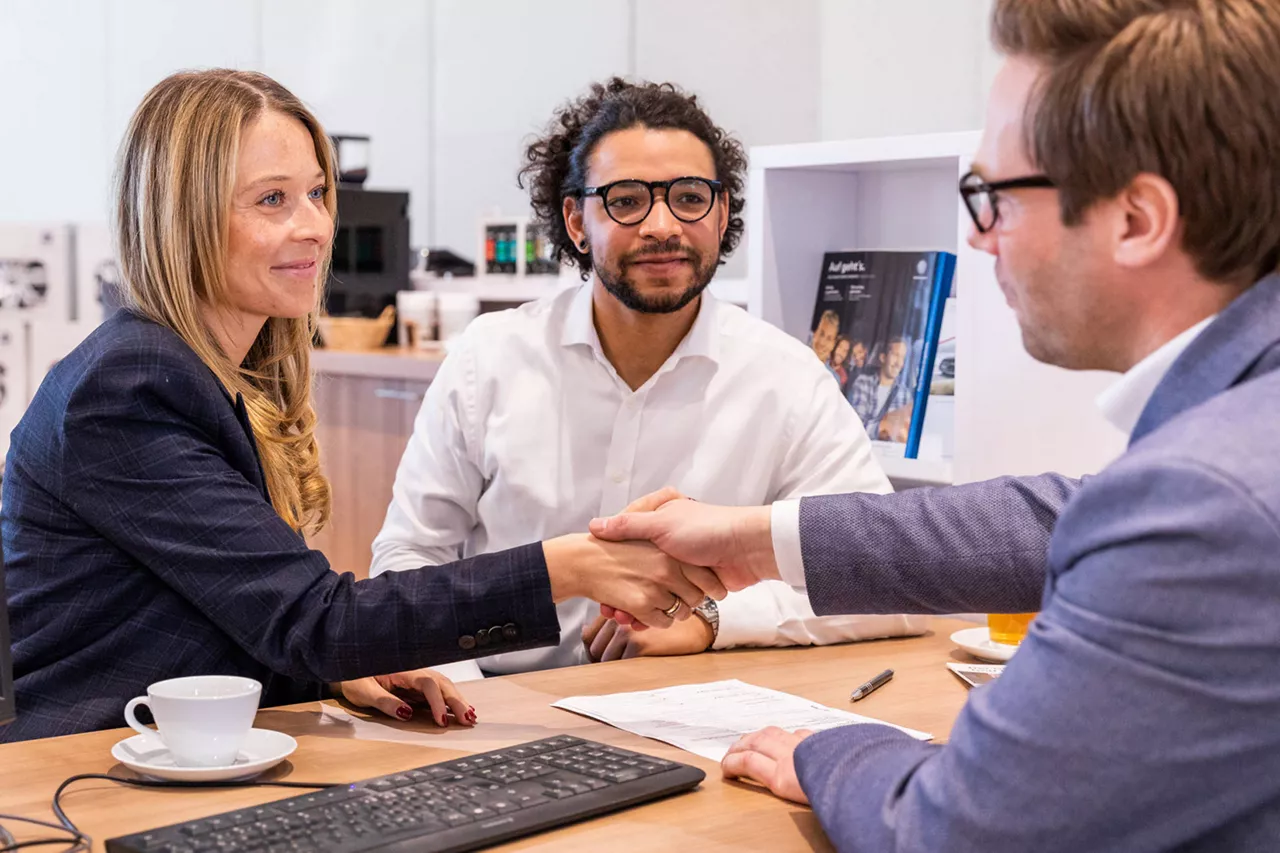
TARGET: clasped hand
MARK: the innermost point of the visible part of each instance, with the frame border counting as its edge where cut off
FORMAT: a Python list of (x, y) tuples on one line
[(732, 544)]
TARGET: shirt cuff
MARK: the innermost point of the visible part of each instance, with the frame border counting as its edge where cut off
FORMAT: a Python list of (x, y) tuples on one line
[(785, 525), (747, 618)]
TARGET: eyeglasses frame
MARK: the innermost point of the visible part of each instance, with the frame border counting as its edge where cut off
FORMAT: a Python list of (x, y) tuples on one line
[(603, 191), (969, 188)]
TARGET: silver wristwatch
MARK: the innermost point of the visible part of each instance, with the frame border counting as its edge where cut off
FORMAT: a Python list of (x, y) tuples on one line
[(710, 613)]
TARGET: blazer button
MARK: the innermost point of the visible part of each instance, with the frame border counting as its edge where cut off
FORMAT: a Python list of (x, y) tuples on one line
[(466, 642), (482, 638), (495, 634), (510, 631)]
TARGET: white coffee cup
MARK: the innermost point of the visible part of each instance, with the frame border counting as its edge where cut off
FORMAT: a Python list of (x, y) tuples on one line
[(202, 719)]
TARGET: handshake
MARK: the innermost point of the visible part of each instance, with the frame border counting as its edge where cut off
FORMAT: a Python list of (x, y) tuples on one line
[(652, 564)]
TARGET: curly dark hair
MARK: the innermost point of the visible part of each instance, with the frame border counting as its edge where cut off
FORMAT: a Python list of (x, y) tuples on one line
[(555, 165)]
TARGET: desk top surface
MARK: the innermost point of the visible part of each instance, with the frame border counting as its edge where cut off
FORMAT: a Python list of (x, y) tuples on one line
[(718, 816)]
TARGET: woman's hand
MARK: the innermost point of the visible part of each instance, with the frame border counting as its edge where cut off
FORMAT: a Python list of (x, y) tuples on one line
[(392, 695)]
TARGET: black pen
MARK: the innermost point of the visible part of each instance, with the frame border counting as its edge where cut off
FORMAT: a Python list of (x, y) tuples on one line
[(863, 690)]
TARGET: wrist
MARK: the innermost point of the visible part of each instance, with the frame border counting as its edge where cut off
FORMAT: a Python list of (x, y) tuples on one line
[(563, 556), (706, 634), (708, 613), (753, 531)]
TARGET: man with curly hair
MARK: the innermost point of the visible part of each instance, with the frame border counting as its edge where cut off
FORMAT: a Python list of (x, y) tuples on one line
[(545, 416)]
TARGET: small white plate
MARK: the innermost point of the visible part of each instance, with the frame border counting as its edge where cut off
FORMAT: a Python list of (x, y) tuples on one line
[(262, 750), (977, 642)]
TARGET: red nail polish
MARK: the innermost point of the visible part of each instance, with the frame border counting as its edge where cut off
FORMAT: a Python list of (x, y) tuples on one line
[(404, 712)]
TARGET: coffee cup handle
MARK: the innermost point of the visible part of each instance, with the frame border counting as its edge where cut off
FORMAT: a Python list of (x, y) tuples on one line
[(132, 720)]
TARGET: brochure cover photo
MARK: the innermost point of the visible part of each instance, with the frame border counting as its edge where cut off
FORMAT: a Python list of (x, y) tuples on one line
[(876, 324)]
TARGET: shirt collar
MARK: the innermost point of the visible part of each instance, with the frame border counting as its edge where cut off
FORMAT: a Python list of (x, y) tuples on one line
[(1123, 402), (702, 339)]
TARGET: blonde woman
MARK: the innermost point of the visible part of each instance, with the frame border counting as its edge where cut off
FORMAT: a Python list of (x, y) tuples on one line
[(158, 489)]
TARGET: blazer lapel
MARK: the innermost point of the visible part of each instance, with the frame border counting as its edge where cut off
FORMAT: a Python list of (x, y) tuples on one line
[(1224, 354), (242, 415)]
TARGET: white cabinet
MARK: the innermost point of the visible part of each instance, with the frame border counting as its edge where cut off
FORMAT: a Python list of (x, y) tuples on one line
[(1012, 414)]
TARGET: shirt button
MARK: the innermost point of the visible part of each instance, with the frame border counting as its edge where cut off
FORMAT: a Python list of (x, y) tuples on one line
[(466, 642), (495, 634), (619, 476), (510, 631)]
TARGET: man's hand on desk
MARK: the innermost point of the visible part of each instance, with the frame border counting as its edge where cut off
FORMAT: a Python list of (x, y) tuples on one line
[(767, 757), (391, 694), (735, 542), (606, 640)]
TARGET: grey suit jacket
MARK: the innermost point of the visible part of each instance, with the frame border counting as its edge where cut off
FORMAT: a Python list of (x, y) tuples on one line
[(1142, 713)]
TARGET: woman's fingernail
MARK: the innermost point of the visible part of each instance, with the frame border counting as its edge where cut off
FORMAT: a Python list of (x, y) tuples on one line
[(404, 712)]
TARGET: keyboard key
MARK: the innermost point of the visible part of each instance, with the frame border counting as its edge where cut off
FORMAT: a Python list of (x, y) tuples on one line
[(528, 801), (455, 818)]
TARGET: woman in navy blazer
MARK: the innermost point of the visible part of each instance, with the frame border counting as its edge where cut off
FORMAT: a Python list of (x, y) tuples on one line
[(158, 488)]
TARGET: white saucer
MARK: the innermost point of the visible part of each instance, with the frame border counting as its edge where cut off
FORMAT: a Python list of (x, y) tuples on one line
[(262, 749), (977, 642)]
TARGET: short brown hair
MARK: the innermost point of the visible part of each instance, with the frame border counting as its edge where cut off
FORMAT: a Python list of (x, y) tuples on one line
[(1185, 89)]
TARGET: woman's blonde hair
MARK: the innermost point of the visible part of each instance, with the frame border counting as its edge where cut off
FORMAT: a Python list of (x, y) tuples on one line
[(174, 182)]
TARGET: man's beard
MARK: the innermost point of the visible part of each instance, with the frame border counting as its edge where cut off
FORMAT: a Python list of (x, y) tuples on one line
[(624, 290)]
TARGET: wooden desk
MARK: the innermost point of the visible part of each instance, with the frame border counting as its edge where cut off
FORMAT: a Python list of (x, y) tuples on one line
[(719, 816)]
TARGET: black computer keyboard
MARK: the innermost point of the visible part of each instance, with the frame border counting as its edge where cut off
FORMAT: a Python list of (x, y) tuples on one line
[(463, 804)]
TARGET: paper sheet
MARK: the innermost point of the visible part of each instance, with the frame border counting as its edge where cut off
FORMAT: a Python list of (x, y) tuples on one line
[(707, 719)]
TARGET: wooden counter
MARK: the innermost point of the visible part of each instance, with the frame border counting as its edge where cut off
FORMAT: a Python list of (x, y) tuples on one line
[(385, 363), (366, 402)]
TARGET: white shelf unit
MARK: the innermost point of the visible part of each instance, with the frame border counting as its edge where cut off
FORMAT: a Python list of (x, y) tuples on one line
[(1012, 415)]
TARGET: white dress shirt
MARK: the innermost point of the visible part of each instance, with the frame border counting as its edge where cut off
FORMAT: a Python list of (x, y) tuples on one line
[(527, 433), (1121, 405)]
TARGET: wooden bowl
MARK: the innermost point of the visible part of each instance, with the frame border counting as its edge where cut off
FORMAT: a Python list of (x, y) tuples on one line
[(357, 333)]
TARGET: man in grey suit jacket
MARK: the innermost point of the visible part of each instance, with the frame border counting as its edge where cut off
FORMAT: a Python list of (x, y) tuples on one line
[(1129, 188)]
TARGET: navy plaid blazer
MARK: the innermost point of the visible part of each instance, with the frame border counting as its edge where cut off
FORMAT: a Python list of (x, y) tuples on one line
[(140, 545)]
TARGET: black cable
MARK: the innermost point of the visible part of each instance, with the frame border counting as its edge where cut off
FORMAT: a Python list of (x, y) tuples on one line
[(81, 838), (38, 842), (76, 840)]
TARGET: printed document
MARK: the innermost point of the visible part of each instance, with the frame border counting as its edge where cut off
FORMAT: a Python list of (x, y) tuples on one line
[(707, 719)]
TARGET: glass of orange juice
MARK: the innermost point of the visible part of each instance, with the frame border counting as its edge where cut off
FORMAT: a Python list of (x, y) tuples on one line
[(1008, 628)]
